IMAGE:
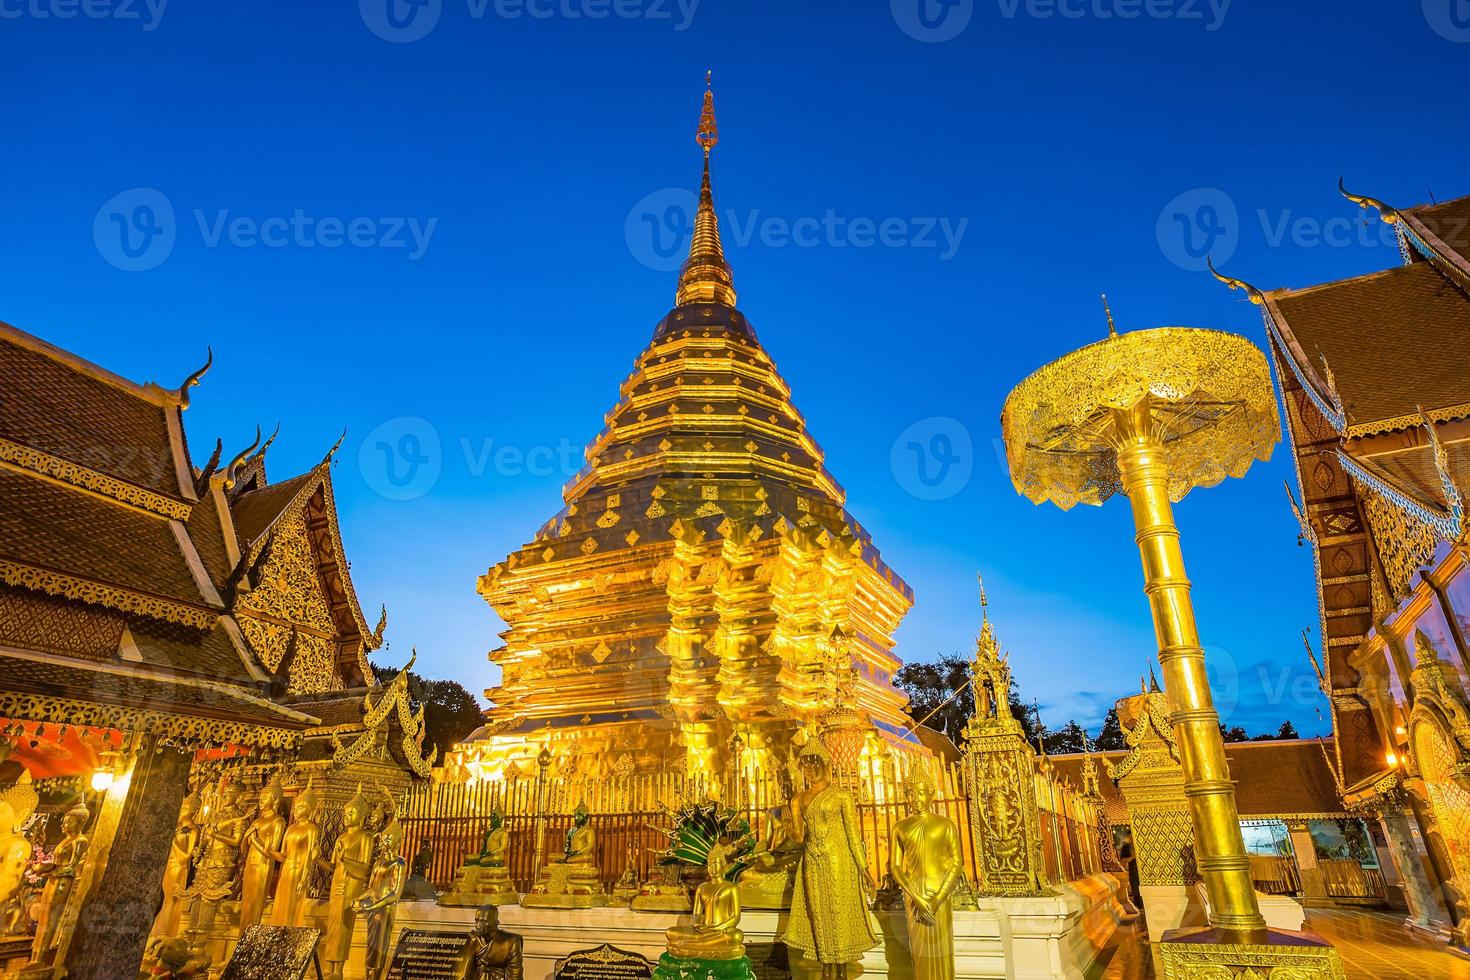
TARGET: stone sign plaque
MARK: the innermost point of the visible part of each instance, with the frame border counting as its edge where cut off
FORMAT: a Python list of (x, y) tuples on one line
[(272, 953), (768, 961), (606, 962), (424, 955)]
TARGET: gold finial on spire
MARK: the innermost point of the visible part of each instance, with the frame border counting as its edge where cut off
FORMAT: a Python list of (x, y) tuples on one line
[(709, 132), (706, 276), (984, 599), (1388, 213), (1112, 327)]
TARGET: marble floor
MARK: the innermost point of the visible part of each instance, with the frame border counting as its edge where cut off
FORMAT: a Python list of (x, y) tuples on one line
[(1374, 947)]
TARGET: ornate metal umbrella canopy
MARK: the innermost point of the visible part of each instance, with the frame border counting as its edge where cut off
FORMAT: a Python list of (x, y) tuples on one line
[(1154, 414)]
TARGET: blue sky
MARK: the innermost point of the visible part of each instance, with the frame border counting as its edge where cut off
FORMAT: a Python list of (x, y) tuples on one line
[(373, 229)]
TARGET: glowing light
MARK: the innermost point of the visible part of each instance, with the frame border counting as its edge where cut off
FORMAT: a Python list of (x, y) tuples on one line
[(1393, 759), (102, 780)]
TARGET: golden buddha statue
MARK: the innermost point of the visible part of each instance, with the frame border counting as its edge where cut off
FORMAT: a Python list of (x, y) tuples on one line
[(571, 881), (60, 875), (924, 858), (176, 871), (260, 850), (829, 905), (492, 953), (351, 863), (379, 899), (485, 878), (715, 933), (299, 856), (625, 889), (17, 804), (664, 893), (767, 883), (224, 828)]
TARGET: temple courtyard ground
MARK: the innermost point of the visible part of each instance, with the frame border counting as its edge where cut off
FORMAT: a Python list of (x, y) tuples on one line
[(1374, 946)]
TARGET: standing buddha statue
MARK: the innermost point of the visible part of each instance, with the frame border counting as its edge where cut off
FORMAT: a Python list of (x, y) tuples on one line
[(224, 828), (351, 862), (925, 860), (299, 856), (176, 871), (829, 906), (384, 889), (60, 875), (260, 850)]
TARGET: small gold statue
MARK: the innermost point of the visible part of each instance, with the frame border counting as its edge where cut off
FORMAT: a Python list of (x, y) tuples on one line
[(17, 804), (260, 849), (829, 906), (299, 856), (626, 888), (664, 893), (715, 933), (492, 953), (767, 883), (351, 861), (60, 875), (224, 827), (384, 889), (925, 860), (176, 871), (571, 881)]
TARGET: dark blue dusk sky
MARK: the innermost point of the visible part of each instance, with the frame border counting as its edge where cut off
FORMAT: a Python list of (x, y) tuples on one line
[(926, 204)]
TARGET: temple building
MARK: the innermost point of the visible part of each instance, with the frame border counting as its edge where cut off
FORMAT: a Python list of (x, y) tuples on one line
[(703, 591), (162, 623), (1372, 373)]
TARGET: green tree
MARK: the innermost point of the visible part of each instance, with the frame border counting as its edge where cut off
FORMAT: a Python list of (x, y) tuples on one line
[(1111, 738), (1069, 740), (941, 693)]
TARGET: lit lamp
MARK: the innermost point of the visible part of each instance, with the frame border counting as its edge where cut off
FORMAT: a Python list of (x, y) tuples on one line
[(104, 775), (1153, 414)]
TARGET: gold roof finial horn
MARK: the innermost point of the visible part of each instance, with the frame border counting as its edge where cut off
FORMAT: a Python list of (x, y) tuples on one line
[(1257, 297), (1112, 327), (1388, 213), (984, 600), (706, 276)]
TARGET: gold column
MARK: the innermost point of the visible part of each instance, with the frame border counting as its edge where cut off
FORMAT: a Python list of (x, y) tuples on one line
[(1143, 466)]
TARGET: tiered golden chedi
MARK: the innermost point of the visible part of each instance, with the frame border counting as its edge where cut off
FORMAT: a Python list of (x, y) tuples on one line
[(703, 579)]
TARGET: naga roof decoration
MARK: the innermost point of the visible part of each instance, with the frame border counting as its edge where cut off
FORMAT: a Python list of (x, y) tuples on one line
[(385, 702)]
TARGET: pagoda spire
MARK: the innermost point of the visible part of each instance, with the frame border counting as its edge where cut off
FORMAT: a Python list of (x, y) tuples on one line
[(706, 276)]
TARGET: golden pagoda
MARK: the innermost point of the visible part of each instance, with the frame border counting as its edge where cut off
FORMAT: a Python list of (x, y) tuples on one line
[(703, 593)]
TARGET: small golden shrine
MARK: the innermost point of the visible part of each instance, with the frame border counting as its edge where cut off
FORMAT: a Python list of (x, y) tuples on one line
[(703, 592)]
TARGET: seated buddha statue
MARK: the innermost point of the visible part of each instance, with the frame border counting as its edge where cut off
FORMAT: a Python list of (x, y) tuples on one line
[(485, 878), (572, 880), (715, 933), (767, 883)]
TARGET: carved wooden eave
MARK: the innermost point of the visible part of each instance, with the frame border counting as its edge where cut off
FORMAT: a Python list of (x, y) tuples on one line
[(382, 705)]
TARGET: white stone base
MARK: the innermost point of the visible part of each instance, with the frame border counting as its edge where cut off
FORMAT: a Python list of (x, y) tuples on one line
[(1168, 907), (1279, 911), (1056, 936)]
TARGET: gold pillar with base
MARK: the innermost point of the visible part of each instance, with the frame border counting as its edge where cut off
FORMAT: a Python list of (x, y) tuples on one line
[(1154, 414)]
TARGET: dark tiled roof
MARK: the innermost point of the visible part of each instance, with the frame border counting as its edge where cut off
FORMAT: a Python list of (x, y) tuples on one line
[(72, 532), (1413, 470), (1450, 222), (209, 539), (255, 511), (139, 691), (57, 408), (341, 708), (1272, 779), (1395, 340), (209, 654)]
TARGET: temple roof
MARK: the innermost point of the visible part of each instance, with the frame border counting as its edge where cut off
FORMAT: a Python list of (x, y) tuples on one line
[(1449, 222), (1272, 780), (1395, 340)]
